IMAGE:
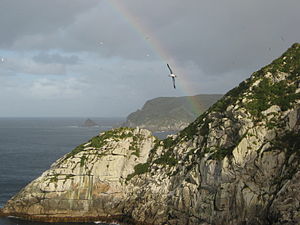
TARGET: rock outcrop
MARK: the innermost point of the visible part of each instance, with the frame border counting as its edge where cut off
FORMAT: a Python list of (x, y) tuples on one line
[(89, 123), (236, 164), (88, 183)]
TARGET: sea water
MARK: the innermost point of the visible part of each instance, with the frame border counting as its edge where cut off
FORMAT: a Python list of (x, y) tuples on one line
[(28, 146)]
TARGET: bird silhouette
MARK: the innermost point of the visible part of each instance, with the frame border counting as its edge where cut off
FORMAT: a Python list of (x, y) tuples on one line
[(172, 75)]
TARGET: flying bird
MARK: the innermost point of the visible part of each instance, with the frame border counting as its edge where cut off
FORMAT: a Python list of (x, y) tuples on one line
[(172, 75)]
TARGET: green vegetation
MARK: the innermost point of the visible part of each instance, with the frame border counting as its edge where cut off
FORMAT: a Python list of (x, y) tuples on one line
[(231, 97), (290, 144), (289, 62), (101, 140), (76, 150), (139, 169), (54, 178), (68, 176), (166, 159), (168, 142), (82, 160), (115, 134), (136, 151), (267, 94), (191, 130), (134, 145), (281, 93), (259, 98), (166, 111)]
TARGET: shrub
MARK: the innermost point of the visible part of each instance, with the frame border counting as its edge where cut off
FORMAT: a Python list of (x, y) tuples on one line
[(139, 169)]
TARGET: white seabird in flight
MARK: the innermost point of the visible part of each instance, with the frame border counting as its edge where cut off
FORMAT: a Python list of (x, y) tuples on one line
[(172, 75)]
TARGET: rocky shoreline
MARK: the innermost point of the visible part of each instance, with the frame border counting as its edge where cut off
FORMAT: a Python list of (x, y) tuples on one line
[(120, 219), (236, 164)]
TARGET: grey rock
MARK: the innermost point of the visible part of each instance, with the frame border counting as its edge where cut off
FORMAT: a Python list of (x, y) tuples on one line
[(237, 164)]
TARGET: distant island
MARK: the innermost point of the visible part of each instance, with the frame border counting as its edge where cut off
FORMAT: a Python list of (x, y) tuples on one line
[(170, 113), (89, 123)]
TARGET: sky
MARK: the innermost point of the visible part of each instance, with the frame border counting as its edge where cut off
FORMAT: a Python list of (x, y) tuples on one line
[(106, 58)]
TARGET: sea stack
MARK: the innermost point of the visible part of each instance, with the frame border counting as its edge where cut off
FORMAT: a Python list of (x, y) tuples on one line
[(89, 123)]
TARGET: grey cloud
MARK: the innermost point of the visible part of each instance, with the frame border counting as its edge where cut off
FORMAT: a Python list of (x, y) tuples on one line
[(214, 45), (23, 65), (33, 17), (222, 36), (56, 58), (219, 36)]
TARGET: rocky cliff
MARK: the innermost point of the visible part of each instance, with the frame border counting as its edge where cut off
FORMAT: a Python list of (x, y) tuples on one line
[(170, 113), (236, 164), (87, 183)]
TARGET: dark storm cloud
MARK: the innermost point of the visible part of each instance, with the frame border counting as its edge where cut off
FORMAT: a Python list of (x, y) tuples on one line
[(32, 17), (219, 36)]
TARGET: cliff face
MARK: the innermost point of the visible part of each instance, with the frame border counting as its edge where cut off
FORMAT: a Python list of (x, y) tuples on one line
[(89, 182), (238, 163), (170, 113)]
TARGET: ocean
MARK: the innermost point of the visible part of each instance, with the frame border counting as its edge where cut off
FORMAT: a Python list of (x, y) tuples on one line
[(28, 146)]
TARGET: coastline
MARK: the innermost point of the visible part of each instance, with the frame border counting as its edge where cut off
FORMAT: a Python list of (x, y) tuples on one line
[(110, 219)]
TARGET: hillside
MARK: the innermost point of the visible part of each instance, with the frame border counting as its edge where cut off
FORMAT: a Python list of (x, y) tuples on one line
[(170, 113), (236, 164)]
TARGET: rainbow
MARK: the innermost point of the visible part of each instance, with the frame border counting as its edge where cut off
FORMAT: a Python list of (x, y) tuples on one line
[(183, 85)]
